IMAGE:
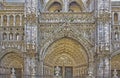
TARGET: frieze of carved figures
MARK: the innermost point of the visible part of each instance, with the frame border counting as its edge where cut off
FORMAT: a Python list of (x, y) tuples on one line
[(67, 17)]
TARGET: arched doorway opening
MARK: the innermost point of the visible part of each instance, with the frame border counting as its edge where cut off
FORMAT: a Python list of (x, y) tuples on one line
[(11, 63), (66, 58), (115, 65)]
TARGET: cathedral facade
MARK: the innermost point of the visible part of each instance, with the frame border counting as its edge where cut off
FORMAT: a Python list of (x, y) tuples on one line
[(60, 39)]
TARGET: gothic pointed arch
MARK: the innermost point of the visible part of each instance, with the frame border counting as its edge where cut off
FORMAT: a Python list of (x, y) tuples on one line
[(10, 50), (54, 5), (11, 20), (66, 52), (71, 33), (5, 20), (11, 59), (65, 46), (115, 63), (74, 7), (115, 18), (77, 5)]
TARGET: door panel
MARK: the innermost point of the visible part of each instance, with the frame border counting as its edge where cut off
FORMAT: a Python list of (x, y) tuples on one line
[(68, 72), (63, 71), (18, 73)]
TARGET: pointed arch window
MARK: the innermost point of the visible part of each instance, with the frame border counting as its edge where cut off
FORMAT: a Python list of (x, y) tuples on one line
[(5, 20), (4, 36), (23, 20), (55, 7), (11, 20), (23, 36), (17, 36), (74, 7), (115, 18), (116, 36), (18, 20), (11, 36)]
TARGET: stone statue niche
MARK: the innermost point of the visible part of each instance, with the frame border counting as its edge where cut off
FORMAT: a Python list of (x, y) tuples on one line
[(115, 74), (13, 73), (57, 72)]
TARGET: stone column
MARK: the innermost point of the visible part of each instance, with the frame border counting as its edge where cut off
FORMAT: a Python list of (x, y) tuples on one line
[(113, 18), (7, 35), (91, 69), (8, 20), (20, 20), (103, 69), (14, 35), (119, 18), (1, 20), (33, 71), (40, 68), (107, 67), (26, 65), (14, 21)]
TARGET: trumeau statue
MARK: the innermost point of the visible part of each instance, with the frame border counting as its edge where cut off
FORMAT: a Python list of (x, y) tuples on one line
[(13, 73), (57, 71), (115, 74)]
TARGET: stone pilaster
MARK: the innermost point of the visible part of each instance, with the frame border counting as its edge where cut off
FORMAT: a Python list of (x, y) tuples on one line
[(20, 20), (39, 66), (103, 39), (26, 65)]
